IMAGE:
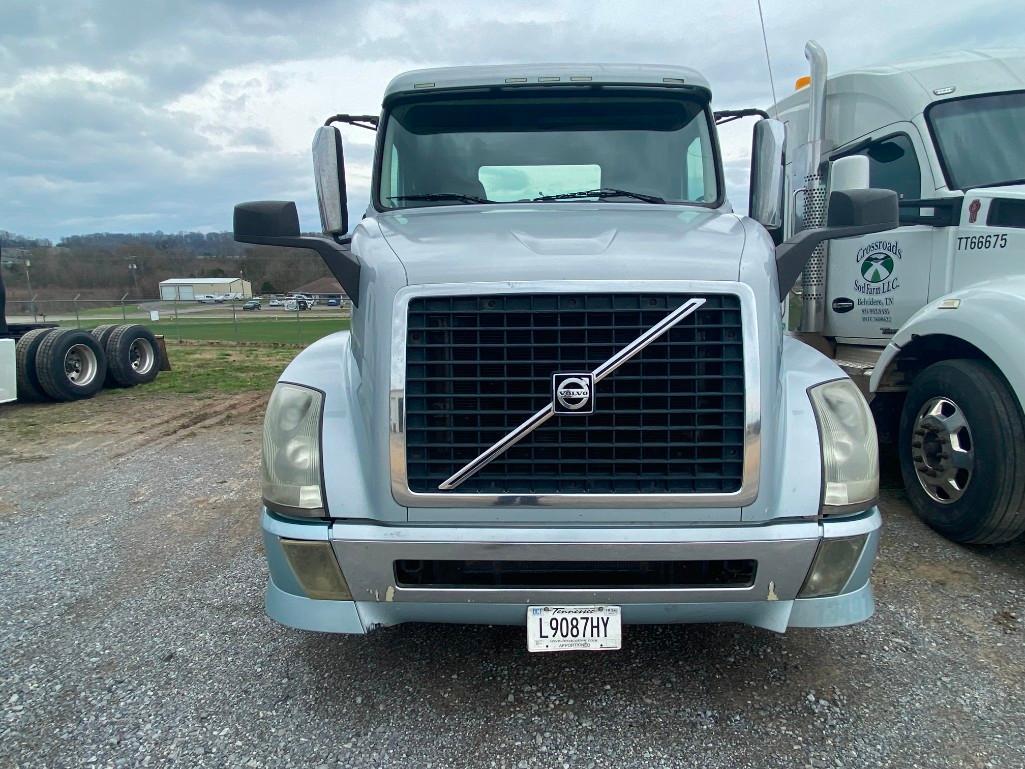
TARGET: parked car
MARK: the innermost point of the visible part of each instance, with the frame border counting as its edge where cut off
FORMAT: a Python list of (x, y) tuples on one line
[(276, 302), (252, 304), (333, 302), (296, 304)]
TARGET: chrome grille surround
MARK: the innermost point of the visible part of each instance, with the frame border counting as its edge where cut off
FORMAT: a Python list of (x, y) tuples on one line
[(745, 495)]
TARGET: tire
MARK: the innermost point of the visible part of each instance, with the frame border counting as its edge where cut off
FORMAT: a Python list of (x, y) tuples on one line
[(71, 365), (133, 356), (29, 388), (962, 452), (102, 334)]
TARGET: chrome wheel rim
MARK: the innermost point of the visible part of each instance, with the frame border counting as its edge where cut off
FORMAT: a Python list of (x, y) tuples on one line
[(142, 356), (942, 450), (80, 365)]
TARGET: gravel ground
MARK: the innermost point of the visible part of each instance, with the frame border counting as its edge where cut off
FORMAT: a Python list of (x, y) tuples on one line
[(132, 633)]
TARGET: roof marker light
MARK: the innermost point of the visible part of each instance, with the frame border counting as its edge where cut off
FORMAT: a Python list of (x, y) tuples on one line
[(516, 80), (423, 85), (548, 79), (580, 78), (673, 80), (943, 91), (802, 82)]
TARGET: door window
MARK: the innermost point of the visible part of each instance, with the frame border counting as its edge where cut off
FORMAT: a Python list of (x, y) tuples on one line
[(893, 165)]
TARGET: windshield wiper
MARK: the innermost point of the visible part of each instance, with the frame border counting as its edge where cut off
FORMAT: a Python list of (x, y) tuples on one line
[(601, 194), (442, 196)]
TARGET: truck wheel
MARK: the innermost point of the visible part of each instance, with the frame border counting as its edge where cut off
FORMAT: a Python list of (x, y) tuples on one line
[(71, 365), (962, 452), (102, 334), (29, 388), (133, 355)]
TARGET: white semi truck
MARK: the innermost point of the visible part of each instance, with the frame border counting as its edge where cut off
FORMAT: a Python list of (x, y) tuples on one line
[(566, 401), (928, 319)]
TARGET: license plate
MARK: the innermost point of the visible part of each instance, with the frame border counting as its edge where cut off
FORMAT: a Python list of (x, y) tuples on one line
[(573, 628)]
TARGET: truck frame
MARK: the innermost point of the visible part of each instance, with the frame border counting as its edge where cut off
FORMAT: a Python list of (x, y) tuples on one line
[(925, 318)]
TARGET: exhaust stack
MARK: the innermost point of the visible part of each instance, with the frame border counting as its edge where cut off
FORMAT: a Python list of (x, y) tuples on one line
[(813, 279)]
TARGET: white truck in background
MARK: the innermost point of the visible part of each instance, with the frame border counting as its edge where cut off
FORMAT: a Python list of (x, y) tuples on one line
[(927, 318)]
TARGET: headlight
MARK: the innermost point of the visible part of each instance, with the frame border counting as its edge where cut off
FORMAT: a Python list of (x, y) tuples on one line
[(291, 451), (850, 448)]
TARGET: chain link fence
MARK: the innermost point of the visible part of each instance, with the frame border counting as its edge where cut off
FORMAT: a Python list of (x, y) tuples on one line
[(267, 320)]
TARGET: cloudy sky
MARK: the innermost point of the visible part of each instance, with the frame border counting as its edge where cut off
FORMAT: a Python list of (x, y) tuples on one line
[(161, 114)]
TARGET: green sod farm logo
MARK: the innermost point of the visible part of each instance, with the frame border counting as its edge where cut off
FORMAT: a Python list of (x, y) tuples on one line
[(877, 263)]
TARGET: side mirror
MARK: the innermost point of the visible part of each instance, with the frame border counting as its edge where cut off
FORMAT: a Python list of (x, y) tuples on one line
[(765, 199), (266, 221), (276, 223), (329, 172), (849, 173), (850, 213), (859, 212)]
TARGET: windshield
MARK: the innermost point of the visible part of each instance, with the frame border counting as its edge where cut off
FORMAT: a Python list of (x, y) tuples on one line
[(625, 146), (980, 139)]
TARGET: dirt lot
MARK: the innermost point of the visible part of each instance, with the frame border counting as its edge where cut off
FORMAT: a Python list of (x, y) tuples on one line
[(132, 633)]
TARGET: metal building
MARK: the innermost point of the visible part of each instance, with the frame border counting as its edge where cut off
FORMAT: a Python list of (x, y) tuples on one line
[(191, 289)]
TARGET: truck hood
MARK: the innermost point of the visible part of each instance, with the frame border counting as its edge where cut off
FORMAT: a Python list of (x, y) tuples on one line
[(564, 241), (1003, 191)]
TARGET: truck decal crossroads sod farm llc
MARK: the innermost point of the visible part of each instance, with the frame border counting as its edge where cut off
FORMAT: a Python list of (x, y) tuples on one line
[(878, 262)]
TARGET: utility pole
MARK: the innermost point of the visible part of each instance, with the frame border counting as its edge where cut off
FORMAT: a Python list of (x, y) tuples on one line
[(133, 268), (28, 279)]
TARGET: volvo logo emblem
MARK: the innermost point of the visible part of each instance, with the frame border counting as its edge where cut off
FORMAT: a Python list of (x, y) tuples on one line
[(573, 393)]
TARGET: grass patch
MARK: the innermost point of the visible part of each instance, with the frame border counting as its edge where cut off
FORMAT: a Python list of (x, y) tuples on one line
[(206, 368), (114, 311), (284, 330)]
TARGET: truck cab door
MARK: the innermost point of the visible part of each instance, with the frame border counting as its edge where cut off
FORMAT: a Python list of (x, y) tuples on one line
[(876, 282)]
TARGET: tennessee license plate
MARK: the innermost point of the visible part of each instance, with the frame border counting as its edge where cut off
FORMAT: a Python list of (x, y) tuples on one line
[(573, 628)]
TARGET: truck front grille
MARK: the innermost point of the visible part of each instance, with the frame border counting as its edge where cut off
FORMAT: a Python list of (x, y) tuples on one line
[(670, 421)]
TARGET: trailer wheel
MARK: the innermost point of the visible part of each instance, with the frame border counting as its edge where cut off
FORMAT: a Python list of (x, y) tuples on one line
[(102, 334), (133, 355), (71, 365), (29, 388), (962, 452)]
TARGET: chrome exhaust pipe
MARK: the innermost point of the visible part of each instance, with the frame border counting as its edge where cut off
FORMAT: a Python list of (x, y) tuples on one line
[(813, 279)]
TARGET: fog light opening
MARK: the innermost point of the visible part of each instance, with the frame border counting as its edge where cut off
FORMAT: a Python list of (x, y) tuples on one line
[(316, 568), (833, 565)]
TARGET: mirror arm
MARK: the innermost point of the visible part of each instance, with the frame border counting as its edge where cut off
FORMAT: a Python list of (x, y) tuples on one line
[(362, 121), (793, 254), (729, 115), (338, 257)]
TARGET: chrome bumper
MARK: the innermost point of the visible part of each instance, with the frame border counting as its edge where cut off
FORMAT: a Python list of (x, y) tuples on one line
[(784, 551)]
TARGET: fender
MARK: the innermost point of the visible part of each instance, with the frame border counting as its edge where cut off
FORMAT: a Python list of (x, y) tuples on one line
[(989, 315), (347, 451)]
